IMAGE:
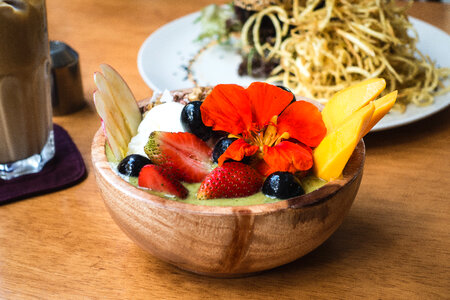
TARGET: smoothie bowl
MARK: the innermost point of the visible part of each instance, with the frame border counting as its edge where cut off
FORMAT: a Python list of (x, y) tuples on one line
[(233, 234)]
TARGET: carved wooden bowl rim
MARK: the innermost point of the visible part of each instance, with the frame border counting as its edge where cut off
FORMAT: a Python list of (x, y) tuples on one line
[(351, 171)]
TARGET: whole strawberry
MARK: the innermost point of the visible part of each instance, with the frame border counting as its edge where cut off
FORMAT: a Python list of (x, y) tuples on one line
[(231, 180)]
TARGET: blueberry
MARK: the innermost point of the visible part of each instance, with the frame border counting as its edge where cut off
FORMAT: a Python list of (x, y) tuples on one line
[(287, 90), (282, 185), (221, 146), (191, 119), (132, 165)]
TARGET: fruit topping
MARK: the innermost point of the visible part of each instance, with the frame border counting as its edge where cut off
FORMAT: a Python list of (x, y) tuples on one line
[(115, 136), (157, 179), (184, 155), (221, 146), (348, 116), (132, 165), (123, 97), (191, 119), (231, 180), (347, 101), (118, 109), (331, 156), (382, 107), (278, 136), (282, 185)]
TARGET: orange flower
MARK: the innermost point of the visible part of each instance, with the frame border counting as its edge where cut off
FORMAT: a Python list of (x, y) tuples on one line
[(267, 125)]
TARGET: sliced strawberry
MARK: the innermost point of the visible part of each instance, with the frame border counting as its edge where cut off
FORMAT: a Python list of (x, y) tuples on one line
[(186, 156), (231, 180), (156, 179)]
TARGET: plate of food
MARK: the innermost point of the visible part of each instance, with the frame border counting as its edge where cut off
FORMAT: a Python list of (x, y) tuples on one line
[(338, 49)]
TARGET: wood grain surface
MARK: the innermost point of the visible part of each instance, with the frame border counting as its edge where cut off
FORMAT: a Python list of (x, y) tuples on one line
[(394, 244)]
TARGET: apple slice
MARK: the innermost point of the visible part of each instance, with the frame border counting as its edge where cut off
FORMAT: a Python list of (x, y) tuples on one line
[(111, 106), (123, 98), (332, 154), (118, 109), (113, 133), (344, 103), (382, 107), (118, 151)]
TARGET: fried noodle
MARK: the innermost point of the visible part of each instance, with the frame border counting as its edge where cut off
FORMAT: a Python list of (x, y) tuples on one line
[(324, 50)]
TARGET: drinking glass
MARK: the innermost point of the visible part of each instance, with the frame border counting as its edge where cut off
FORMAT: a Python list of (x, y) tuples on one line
[(26, 129)]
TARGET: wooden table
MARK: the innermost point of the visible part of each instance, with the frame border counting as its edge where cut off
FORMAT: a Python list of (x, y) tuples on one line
[(394, 243)]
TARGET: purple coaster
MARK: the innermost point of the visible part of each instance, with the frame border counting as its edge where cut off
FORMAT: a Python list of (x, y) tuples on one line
[(65, 169)]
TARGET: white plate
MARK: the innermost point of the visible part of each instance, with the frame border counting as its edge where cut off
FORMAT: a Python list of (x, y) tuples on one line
[(164, 56)]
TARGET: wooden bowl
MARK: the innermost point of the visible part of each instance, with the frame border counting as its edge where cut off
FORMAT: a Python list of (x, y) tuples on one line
[(227, 241)]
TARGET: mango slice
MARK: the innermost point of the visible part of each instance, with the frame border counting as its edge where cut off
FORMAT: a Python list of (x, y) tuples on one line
[(382, 107), (332, 154), (344, 103)]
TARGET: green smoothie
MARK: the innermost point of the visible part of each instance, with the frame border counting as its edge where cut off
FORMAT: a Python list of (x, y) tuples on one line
[(309, 184)]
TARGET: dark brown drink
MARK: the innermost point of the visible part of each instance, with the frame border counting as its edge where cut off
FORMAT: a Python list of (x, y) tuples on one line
[(26, 136)]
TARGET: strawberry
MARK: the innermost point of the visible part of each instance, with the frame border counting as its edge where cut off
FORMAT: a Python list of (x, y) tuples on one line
[(231, 180), (156, 179), (183, 154)]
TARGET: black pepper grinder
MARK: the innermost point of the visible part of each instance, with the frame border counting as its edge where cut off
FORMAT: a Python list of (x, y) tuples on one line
[(67, 89)]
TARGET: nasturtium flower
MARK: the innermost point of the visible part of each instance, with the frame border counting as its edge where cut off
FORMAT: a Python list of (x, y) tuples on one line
[(268, 126)]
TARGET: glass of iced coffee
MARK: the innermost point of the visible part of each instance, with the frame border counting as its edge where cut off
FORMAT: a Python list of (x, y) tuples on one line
[(26, 130)]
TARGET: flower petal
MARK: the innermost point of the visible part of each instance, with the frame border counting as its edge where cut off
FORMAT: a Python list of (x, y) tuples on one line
[(262, 167), (267, 101), (304, 123), (288, 157), (237, 150), (227, 108)]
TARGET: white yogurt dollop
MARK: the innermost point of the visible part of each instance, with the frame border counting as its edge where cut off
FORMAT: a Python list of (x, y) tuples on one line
[(163, 117)]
